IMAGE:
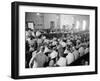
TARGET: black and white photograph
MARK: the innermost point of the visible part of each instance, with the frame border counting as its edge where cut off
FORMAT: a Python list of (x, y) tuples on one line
[(56, 40), (50, 40)]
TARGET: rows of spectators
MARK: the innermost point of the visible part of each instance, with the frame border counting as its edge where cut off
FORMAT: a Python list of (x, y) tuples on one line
[(45, 51)]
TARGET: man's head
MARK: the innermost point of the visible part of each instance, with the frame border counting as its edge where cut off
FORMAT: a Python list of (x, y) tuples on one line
[(42, 48)]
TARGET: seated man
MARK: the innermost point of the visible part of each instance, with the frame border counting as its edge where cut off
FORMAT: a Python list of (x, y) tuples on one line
[(39, 59), (53, 54), (81, 51), (61, 61), (60, 50), (75, 53), (70, 58)]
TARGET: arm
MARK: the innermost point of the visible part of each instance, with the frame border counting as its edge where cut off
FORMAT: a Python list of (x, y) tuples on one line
[(31, 61)]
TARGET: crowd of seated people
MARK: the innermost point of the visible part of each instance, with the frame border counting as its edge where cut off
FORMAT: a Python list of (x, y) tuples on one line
[(43, 51)]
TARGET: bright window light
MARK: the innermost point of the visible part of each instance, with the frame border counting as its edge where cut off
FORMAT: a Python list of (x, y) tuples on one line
[(84, 25), (77, 24), (38, 14)]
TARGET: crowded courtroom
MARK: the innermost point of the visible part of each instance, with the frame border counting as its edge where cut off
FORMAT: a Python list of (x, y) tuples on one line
[(56, 40)]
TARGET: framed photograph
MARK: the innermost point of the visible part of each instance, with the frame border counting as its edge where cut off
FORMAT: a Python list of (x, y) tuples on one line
[(51, 40)]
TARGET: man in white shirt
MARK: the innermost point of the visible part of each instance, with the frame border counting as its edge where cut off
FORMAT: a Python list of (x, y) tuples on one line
[(81, 51), (61, 62), (53, 54), (70, 58)]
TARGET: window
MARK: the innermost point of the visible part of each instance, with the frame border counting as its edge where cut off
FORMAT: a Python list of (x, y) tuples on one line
[(77, 24), (84, 25)]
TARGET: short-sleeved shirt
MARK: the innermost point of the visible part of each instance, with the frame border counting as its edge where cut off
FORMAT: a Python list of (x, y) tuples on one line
[(70, 58), (62, 61), (53, 54)]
